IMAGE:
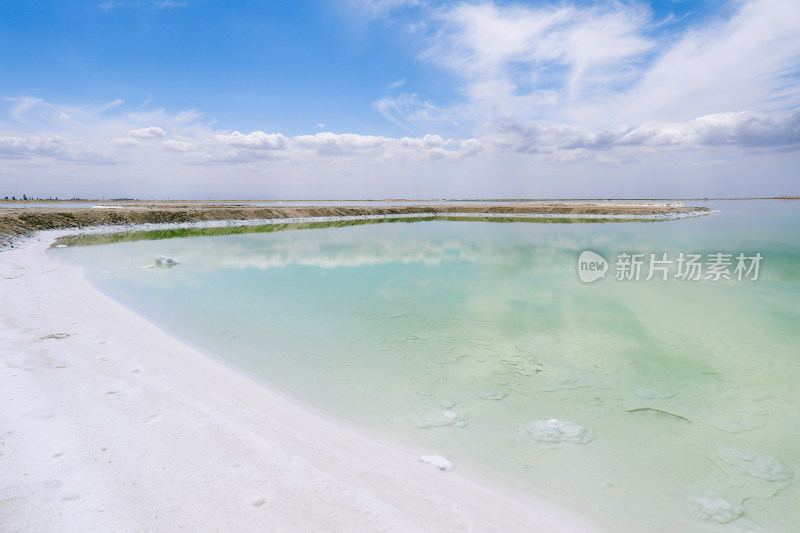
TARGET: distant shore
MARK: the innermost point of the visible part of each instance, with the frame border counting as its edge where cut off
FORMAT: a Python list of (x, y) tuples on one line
[(15, 222), (416, 201)]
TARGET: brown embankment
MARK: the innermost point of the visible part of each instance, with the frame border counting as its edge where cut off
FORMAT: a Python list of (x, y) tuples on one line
[(15, 222)]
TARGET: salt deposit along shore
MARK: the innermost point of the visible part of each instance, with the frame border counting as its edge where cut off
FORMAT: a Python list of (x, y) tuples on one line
[(22, 221), (108, 423)]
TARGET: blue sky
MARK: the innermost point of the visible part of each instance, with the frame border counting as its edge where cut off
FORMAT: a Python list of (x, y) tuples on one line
[(399, 98)]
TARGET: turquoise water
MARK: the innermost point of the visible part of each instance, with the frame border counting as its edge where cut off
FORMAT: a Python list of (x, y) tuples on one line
[(646, 405)]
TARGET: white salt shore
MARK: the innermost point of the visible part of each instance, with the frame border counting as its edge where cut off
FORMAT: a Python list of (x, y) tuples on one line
[(109, 424)]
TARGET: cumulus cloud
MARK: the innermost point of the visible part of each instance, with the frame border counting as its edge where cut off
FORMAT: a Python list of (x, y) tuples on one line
[(126, 142), (195, 143), (340, 144), (153, 132), (31, 146), (511, 151), (181, 145), (744, 130), (258, 140), (751, 129)]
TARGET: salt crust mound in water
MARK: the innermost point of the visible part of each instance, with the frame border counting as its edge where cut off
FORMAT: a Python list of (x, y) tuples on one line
[(556, 431), (712, 506), (438, 461), (164, 261)]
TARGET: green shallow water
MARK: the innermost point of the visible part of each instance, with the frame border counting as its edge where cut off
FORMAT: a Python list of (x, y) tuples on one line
[(672, 405)]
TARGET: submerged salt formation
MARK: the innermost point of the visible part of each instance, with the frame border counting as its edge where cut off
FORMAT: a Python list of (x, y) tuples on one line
[(749, 475), (556, 431), (755, 474), (447, 417), (493, 395), (712, 506)]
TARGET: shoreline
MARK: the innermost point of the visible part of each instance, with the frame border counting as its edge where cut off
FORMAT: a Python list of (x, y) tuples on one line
[(16, 222), (109, 423)]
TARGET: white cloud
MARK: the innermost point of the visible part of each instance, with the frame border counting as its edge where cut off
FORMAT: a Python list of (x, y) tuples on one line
[(744, 130), (518, 60), (192, 142), (407, 108), (36, 114), (233, 147), (750, 129), (515, 154), (602, 67), (22, 104), (747, 62), (339, 144), (110, 105), (127, 142), (33, 146), (258, 140), (179, 145), (152, 132)]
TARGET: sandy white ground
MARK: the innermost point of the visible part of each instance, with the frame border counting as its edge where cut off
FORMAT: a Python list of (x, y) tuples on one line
[(109, 424)]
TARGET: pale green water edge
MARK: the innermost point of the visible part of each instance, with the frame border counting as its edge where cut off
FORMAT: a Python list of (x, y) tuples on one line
[(465, 337)]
